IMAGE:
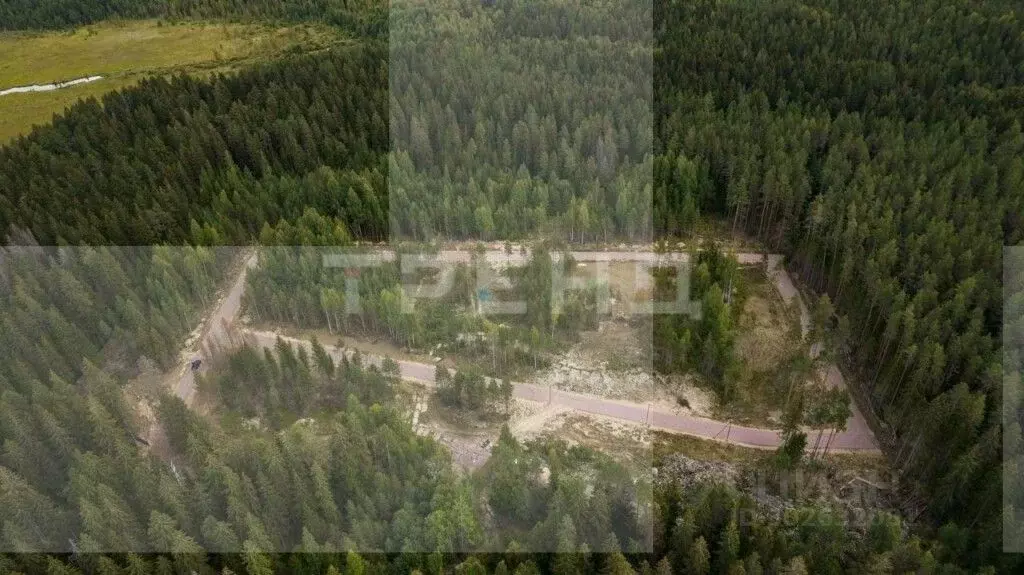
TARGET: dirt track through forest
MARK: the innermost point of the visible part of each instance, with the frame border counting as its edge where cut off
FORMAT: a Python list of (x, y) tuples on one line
[(219, 332)]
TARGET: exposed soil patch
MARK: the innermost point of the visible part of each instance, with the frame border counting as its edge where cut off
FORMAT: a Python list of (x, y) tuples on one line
[(689, 472), (612, 362), (369, 345), (470, 448), (535, 419), (468, 437), (623, 441), (628, 284), (855, 486), (617, 345), (680, 394)]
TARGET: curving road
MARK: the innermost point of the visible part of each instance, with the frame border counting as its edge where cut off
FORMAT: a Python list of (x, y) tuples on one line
[(856, 425)]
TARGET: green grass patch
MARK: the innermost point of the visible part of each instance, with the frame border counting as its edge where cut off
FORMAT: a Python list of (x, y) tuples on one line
[(665, 444), (125, 52), (771, 352)]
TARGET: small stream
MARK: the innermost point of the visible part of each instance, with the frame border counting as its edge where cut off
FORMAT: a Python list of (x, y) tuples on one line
[(48, 87)]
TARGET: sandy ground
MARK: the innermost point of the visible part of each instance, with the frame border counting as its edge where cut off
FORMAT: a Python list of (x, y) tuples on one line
[(470, 442), (530, 420), (469, 451), (612, 362), (673, 388), (623, 441), (534, 419)]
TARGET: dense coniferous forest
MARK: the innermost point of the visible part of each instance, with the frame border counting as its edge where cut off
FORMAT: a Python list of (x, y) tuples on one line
[(1013, 369), (521, 119), (361, 16), (209, 161), (357, 478), (877, 144), (704, 343), (66, 307)]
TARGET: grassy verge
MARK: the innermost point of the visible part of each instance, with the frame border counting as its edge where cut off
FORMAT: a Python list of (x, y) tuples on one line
[(125, 52), (665, 444)]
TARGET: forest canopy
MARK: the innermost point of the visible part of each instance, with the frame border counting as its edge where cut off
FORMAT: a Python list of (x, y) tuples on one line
[(877, 145), (362, 16)]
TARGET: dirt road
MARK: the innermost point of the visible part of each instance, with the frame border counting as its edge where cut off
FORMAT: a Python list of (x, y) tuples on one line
[(856, 425), (499, 257), (637, 413), (215, 334)]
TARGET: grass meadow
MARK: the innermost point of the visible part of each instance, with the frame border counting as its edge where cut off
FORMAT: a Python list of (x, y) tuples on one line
[(125, 52)]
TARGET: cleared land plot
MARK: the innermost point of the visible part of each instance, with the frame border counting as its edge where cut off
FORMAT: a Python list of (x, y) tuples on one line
[(769, 330), (629, 444), (854, 484), (771, 351), (628, 284), (124, 53), (468, 436)]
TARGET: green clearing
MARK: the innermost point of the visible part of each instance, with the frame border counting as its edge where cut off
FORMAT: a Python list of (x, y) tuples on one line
[(771, 352), (125, 52)]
